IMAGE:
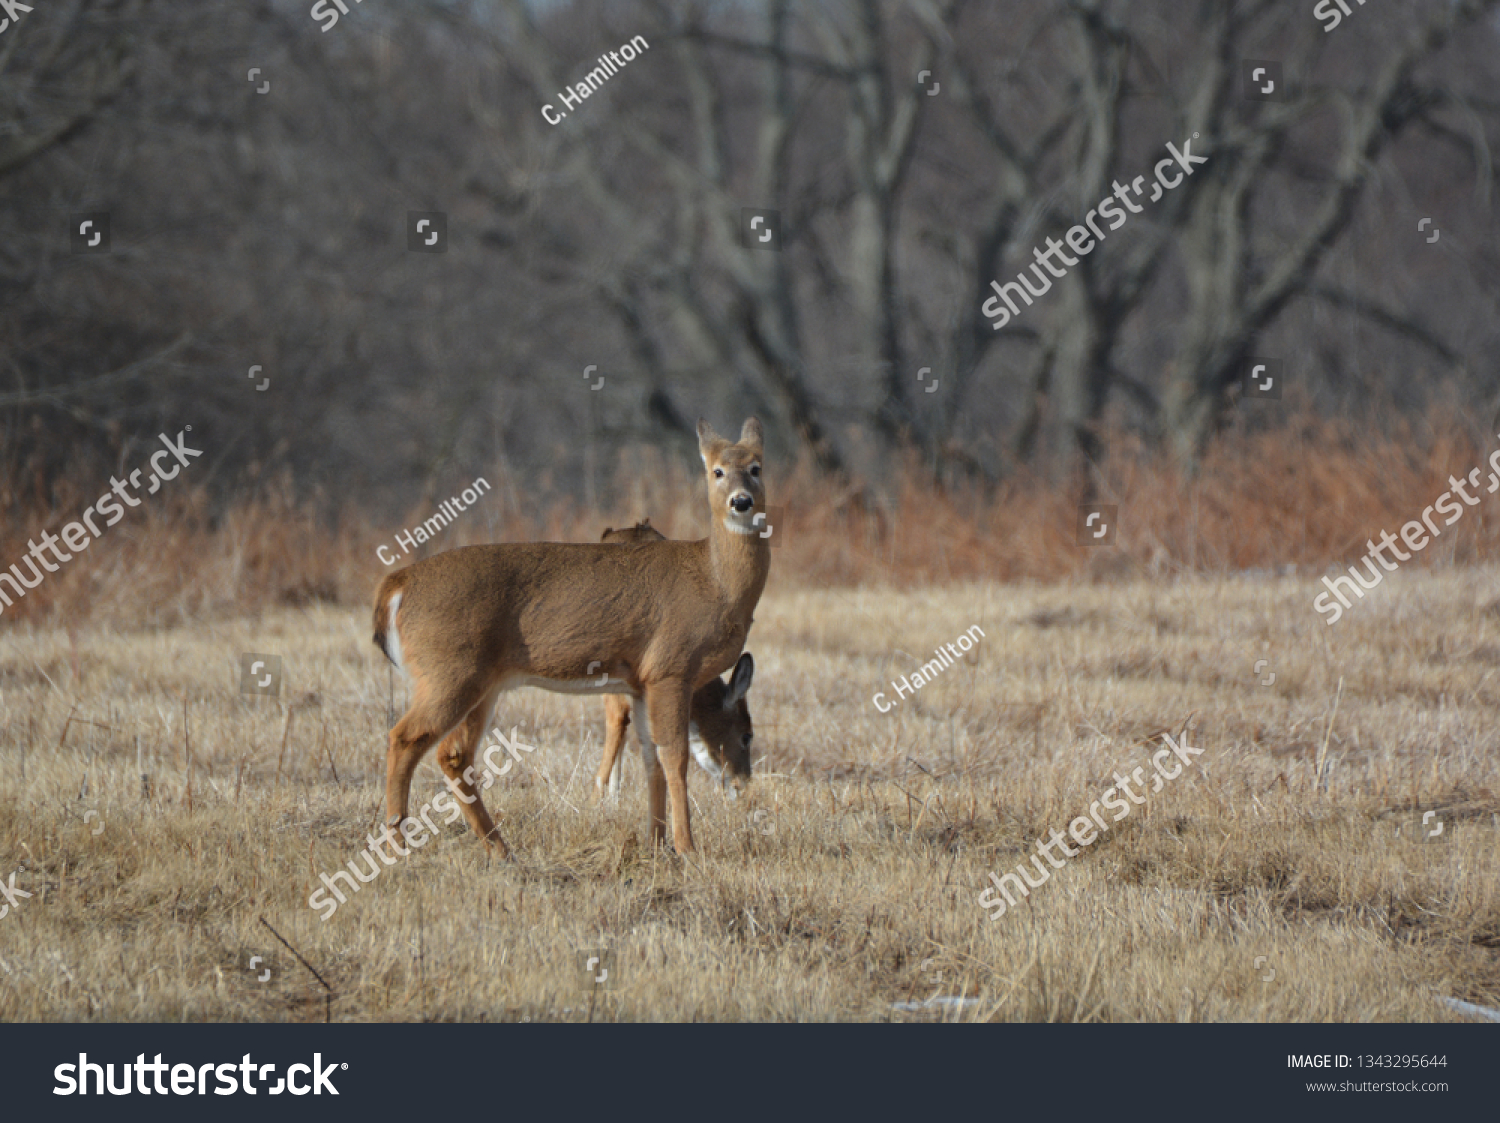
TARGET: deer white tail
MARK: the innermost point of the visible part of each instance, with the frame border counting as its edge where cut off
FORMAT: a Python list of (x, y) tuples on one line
[(392, 633), (387, 601)]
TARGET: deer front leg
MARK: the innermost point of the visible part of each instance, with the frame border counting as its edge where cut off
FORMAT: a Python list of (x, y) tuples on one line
[(669, 706), (616, 722), (656, 779)]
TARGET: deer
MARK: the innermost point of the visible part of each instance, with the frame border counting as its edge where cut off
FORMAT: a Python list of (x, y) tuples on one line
[(657, 620), (720, 732)]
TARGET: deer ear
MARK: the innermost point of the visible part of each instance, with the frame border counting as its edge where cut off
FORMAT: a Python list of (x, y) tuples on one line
[(739, 682), (607, 532), (709, 442), (752, 436)]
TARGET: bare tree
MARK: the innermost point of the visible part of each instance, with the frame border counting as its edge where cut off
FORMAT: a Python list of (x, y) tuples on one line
[(268, 230)]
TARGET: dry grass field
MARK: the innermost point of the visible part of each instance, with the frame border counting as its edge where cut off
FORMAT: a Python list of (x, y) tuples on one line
[(159, 814)]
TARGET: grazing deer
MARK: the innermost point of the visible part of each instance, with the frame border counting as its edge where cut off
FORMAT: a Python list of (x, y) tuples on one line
[(719, 728), (660, 619)]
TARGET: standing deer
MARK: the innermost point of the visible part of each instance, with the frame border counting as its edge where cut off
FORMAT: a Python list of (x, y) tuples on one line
[(720, 731), (660, 618)]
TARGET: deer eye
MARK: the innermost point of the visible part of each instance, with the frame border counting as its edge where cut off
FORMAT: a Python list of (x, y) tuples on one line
[(755, 470), (718, 473)]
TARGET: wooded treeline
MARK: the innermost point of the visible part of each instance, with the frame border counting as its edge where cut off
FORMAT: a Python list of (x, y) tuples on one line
[(270, 229)]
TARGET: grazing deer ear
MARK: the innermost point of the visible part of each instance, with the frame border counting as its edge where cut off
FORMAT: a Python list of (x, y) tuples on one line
[(739, 682), (752, 436), (607, 532)]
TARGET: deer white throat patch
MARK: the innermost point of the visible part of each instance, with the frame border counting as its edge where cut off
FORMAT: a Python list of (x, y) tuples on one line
[(702, 755)]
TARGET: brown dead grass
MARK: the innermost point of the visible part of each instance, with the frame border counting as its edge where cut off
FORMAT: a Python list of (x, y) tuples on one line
[(847, 880), (1293, 499)]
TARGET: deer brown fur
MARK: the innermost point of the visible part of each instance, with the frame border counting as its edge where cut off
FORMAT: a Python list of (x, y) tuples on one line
[(720, 729), (658, 619)]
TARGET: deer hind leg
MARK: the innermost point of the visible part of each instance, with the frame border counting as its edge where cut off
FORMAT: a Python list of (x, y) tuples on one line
[(668, 704), (656, 779), (616, 723), (455, 757), (424, 725)]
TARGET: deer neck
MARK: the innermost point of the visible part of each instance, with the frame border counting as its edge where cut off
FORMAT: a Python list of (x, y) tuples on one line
[(740, 564)]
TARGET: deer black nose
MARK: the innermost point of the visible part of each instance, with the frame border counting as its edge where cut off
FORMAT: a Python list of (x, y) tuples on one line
[(741, 503)]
